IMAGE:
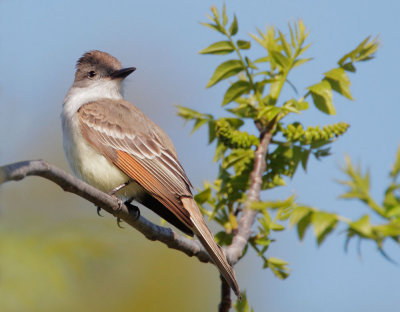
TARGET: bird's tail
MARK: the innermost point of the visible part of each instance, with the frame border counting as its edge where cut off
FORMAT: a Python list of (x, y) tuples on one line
[(207, 240)]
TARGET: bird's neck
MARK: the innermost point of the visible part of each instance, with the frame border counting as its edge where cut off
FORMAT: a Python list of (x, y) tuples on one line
[(78, 96)]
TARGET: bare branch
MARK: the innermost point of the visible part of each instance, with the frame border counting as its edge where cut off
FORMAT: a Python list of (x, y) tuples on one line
[(226, 301), (235, 250), (20, 170)]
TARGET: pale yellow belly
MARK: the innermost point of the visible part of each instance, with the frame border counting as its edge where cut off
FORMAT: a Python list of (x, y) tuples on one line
[(95, 169)]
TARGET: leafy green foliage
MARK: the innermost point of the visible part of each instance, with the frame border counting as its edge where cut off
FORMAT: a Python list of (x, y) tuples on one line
[(323, 222), (358, 188), (254, 94), (363, 52), (242, 305)]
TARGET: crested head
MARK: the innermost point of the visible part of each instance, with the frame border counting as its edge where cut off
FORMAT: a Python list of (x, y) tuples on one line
[(98, 65), (98, 75)]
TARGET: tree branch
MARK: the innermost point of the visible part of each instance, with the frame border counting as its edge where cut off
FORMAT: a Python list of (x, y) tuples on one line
[(226, 301), (239, 242), (20, 170)]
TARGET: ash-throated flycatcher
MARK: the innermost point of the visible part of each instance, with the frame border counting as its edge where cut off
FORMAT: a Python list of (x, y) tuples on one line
[(112, 145)]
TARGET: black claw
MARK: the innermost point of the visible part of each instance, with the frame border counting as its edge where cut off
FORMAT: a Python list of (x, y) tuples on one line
[(119, 223), (98, 211), (133, 209)]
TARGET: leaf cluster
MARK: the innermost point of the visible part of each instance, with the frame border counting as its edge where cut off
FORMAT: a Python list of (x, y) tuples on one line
[(254, 94), (358, 188)]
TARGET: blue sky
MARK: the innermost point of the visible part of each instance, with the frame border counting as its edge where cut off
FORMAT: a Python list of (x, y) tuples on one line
[(40, 42)]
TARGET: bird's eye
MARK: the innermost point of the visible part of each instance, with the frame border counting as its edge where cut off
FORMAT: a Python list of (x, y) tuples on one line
[(91, 74)]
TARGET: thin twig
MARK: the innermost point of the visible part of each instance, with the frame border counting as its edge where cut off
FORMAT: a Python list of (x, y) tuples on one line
[(239, 242), (226, 301), (20, 170)]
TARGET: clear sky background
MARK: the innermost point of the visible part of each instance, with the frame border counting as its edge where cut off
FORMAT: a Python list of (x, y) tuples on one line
[(40, 42)]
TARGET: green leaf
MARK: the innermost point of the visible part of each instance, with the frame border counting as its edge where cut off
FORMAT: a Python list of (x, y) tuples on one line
[(304, 49), (243, 44), (224, 17), (290, 106), (363, 52), (299, 213), (214, 27), (198, 124), (299, 62), (244, 110), (276, 227), (203, 196), (394, 212), (338, 74), (235, 90), (285, 44), (264, 59), (223, 238), (339, 81), (280, 59), (304, 158), (396, 167), (303, 224), (225, 70), (219, 151), (277, 261), (236, 156), (391, 202), (250, 64), (323, 223), (263, 241), (235, 122), (211, 131), (278, 267), (362, 226), (302, 105), (259, 205), (269, 112), (234, 27), (215, 12), (242, 305), (349, 67), (280, 204), (390, 229), (189, 114), (322, 97), (221, 47)]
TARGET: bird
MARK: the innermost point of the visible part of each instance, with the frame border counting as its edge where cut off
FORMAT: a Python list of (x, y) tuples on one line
[(112, 145)]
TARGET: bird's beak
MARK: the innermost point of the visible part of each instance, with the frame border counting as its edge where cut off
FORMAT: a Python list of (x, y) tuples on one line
[(122, 73)]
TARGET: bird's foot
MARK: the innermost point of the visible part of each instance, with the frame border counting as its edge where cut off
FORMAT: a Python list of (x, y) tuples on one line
[(120, 204), (133, 211), (117, 210), (112, 193)]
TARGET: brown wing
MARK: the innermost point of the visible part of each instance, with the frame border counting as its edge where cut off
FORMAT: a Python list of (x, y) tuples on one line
[(145, 153), (141, 150)]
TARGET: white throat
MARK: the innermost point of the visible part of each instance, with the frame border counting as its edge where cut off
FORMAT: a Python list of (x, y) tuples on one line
[(78, 96)]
